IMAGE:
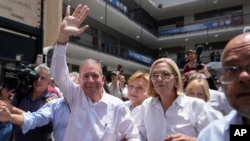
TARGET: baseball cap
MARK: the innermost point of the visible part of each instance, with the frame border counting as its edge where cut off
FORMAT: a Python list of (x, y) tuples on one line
[(191, 51), (113, 72)]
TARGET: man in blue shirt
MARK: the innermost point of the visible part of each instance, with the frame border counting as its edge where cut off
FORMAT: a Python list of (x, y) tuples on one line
[(56, 111), (235, 77)]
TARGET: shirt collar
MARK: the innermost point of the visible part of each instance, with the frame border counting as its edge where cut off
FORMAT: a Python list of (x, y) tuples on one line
[(233, 118), (180, 100), (105, 98), (44, 95)]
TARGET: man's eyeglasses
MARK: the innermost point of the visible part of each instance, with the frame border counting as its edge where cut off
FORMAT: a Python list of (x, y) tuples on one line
[(230, 74), (163, 76)]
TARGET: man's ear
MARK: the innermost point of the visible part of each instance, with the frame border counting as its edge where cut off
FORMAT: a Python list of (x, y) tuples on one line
[(103, 78), (78, 79)]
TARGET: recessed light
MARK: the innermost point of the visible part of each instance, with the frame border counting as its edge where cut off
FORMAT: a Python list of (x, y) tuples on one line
[(101, 17), (137, 37), (186, 39), (216, 35)]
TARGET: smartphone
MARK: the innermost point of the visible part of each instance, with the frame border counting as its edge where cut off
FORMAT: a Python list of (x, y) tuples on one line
[(119, 67), (39, 59)]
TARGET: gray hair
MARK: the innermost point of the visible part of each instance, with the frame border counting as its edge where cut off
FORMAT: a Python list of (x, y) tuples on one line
[(74, 74), (42, 66)]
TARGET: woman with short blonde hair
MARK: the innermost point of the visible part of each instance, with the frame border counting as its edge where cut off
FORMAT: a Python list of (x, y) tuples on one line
[(198, 88)]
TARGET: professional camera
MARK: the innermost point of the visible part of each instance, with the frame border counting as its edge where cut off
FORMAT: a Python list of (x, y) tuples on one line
[(19, 77), (199, 49)]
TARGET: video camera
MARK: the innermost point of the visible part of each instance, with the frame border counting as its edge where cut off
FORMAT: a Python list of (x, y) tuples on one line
[(19, 76), (199, 49)]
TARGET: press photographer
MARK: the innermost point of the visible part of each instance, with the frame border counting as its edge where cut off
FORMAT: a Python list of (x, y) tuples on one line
[(194, 61), (195, 65), (33, 86)]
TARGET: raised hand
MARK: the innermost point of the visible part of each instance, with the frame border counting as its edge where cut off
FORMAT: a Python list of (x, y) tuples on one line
[(71, 24)]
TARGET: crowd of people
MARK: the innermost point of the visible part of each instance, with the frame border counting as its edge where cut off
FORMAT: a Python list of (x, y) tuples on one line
[(152, 106)]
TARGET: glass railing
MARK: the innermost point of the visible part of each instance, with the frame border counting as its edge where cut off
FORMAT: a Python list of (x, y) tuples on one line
[(208, 24)]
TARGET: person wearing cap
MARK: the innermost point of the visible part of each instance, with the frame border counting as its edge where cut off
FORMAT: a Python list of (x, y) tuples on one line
[(190, 66), (114, 87)]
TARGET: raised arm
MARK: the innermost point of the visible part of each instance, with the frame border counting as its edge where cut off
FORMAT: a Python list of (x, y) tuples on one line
[(71, 25)]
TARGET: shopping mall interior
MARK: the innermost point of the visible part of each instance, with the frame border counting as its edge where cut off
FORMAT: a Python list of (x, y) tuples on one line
[(132, 33)]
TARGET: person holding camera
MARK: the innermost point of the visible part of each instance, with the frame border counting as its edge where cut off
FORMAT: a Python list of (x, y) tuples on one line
[(190, 66), (32, 101), (194, 64), (56, 112)]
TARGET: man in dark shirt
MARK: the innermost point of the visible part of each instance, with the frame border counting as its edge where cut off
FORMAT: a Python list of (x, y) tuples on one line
[(32, 102)]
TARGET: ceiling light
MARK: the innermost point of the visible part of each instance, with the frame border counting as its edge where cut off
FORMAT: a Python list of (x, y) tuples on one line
[(216, 35), (137, 37), (186, 39), (215, 1), (101, 17)]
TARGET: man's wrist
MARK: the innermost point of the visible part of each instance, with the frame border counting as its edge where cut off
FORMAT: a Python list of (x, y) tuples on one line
[(62, 43)]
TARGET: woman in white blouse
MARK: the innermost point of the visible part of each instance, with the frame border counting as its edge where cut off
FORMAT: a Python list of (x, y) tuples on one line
[(137, 86), (168, 114)]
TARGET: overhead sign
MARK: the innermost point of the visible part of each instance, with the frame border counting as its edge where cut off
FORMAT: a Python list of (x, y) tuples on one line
[(203, 26), (139, 57), (23, 11)]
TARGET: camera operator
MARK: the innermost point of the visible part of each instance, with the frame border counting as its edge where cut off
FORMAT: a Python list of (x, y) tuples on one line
[(32, 101), (190, 65), (194, 64)]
